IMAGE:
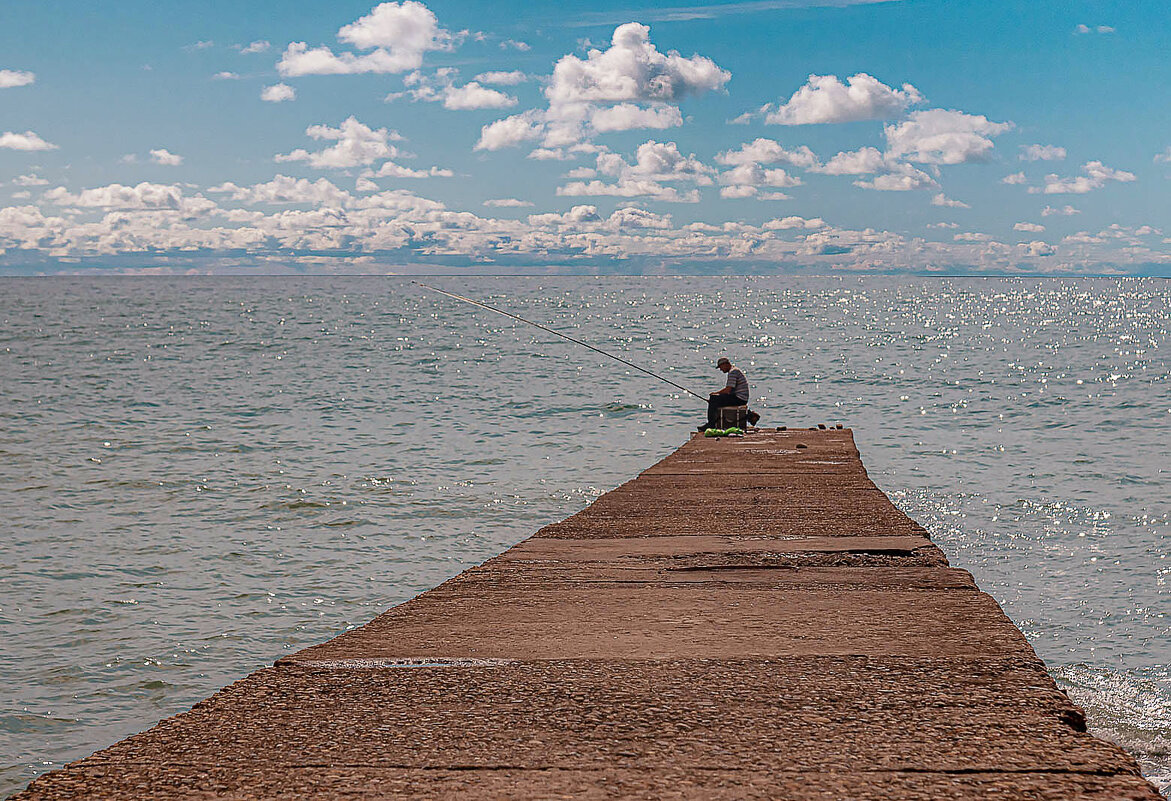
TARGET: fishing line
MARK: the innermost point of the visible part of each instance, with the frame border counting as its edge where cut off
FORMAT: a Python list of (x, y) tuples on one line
[(558, 333)]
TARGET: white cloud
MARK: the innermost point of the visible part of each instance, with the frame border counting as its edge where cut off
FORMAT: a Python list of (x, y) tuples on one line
[(655, 163), (441, 88), (1083, 29), (29, 180), (511, 131), (752, 174), (1016, 179), (226, 76), (628, 116), (278, 93), (24, 141), (1032, 228), (630, 85), (396, 34), (628, 188), (259, 46), (791, 223), (142, 196), (13, 78), (972, 237), (939, 136), (391, 170), (943, 200), (165, 157), (506, 203), (1164, 157), (947, 225), (578, 215), (515, 44), (866, 161), (1042, 153), (285, 190), (1096, 175), (632, 69), (768, 151), (1038, 248), (357, 145), (825, 99), (901, 178), (502, 78), (633, 217), (200, 45), (1066, 211)]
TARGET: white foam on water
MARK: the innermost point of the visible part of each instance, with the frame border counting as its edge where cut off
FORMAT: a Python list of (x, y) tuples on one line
[(1131, 708)]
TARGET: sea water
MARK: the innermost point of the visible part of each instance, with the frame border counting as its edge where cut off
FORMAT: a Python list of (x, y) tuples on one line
[(200, 475)]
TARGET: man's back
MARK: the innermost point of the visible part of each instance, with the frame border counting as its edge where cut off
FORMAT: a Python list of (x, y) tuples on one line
[(738, 384)]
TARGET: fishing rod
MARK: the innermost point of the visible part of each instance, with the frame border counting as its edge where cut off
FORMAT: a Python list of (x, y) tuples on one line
[(558, 333)]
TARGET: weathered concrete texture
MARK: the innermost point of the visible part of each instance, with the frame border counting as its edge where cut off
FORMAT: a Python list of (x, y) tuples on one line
[(747, 619)]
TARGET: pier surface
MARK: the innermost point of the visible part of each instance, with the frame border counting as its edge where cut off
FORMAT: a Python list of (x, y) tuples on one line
[(749, 618)]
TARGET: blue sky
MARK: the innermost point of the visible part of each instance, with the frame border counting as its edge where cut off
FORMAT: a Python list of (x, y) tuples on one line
[(898, 136)]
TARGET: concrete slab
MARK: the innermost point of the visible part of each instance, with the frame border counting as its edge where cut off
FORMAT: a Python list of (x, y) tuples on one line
[(747, 619)]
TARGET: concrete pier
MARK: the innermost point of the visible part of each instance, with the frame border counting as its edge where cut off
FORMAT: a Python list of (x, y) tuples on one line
[(749, 618)]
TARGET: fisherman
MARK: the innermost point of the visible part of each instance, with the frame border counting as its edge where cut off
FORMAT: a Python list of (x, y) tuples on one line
[(734, 393)]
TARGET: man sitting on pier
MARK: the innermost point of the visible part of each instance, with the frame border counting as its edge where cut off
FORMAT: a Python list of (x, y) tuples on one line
[(734, 393)]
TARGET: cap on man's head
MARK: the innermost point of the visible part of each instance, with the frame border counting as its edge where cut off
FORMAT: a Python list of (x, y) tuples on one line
[(722, 360)]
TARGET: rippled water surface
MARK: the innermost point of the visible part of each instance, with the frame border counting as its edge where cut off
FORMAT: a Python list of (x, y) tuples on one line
[(199, 475)]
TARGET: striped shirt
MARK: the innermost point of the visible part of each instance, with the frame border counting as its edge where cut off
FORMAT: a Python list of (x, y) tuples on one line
[(738, 384)]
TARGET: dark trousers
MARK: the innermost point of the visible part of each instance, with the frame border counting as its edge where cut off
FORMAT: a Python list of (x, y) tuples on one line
[(717, 402)]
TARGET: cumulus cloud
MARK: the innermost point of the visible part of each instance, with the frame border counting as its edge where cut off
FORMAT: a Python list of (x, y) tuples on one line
[(258, 46), (768, 151), (165, 157), (746, 172), (655, 163), (899, 178), (752, 174), (278, 93), (225, 76), (515, 44), (501, 78), (1032, 228), (1016, 179), (285, 190), (943, 200), (13, 78), (441, 88), (24, 141), (1164, 157), (1065, 211), (1095, 176), (790, 223), (141, 196), (391, 170), (1038, 248), (577, 215), (632, 69), (29, 180), (356, 145), (865, 161), (507, 203), (826, 99), (630, 85), (1042, 153), (1082, 29), (629, 116), (939, 136), (396, 34)]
